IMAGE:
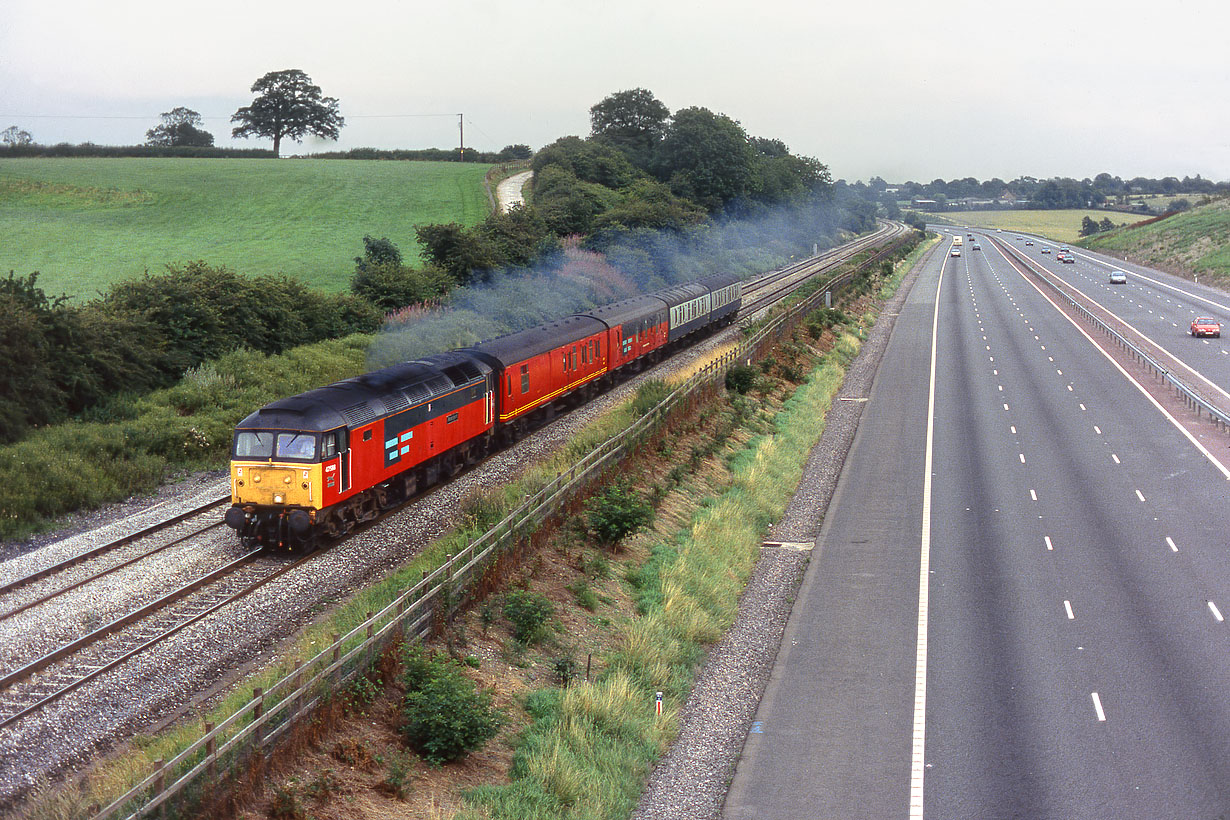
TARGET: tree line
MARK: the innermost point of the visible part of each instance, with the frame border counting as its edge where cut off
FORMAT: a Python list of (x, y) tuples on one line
[(1059, 192)]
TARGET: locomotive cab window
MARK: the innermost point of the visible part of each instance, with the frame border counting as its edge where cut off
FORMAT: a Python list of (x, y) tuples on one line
[(297, 446), (253, 445), (329, 447)]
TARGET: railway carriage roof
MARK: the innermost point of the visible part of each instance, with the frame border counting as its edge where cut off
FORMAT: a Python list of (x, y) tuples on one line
[(504, 351), (679, 294), (719, 280), (629, 310)]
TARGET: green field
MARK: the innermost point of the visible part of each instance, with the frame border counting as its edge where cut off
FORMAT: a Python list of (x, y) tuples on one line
[(1061, 226), (84, 223), (1196, 241)]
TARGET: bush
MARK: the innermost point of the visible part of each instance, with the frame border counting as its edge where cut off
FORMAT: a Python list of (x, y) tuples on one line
[(447, 716), (617, 512), (649, 395), (528, 612), (740, 378)]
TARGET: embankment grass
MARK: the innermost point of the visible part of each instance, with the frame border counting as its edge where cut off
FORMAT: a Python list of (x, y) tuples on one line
[(85, 223), (1195, 241)]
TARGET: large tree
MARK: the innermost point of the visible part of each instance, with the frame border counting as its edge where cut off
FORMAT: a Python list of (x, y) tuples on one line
[(16, 136), (179, 127), (706, 157), (288, 105), (633, 121)]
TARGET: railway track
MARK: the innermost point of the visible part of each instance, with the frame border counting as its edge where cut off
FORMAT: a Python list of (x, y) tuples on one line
[(37, 684), (766, 290), (111, 546)]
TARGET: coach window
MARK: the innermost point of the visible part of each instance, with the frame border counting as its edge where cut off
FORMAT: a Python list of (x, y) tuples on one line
[(525, 378)]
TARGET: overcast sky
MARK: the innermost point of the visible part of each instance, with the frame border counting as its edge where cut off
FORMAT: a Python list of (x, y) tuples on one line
[(903, 90)]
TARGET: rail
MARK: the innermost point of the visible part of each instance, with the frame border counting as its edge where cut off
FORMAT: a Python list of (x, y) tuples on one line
[(253, 727)]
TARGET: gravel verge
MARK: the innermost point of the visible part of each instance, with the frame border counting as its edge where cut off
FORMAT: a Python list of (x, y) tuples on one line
[(692, 779)]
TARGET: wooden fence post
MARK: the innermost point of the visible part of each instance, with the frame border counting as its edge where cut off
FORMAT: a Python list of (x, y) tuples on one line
[(258, 711)]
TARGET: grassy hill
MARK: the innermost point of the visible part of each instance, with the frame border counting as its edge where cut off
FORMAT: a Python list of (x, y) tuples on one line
[(84, 223), (1192, 242)]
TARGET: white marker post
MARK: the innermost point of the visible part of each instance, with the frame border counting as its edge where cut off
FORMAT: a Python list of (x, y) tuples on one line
[(658, 705)]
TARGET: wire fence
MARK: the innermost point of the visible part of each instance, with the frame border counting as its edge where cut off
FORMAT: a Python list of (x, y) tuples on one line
[(225, 749)]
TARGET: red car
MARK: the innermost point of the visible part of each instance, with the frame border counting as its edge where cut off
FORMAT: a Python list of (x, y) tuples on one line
[(1206, 327)]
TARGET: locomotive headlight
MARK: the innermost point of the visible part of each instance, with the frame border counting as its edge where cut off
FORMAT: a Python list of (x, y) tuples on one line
[(277, 499), (286, 480), (256, 479)]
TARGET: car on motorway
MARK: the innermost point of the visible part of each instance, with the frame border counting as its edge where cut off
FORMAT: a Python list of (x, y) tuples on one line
[(976, 246), (1065, 257), (1046, 248), (955, 252), (1118, 277), (1203, 326), (1029, 241)]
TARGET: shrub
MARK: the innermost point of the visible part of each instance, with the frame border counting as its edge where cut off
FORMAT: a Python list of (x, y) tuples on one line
[(616, 512), (448, 716), (528, 612), (584, 595), (740, 378), (648, 396)]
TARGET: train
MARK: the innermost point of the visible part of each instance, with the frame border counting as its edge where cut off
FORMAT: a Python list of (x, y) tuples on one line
[(311, 467)]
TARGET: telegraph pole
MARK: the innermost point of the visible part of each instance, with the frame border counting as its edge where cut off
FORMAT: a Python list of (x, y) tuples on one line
[(461, 126)]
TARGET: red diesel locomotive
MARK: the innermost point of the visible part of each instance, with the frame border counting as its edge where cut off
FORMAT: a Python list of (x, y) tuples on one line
[(321, 462)]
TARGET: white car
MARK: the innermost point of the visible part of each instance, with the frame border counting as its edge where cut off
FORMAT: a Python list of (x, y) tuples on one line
[(1118, 277), (955, 252)]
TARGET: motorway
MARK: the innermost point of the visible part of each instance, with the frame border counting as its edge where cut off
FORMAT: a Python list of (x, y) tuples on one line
[(1071, 542)]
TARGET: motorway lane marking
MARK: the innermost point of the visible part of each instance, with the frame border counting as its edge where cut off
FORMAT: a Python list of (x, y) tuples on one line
[(1216, 614), (1225, 471), (1005, 407), (1133, 328), (1117, 461), (1097, 705), (1139, 495), (918, 765), (1049, 546), (1170, 541), (1012, 427), (1097, 429), (1033, 495), (1022, 455), (1067, 605)]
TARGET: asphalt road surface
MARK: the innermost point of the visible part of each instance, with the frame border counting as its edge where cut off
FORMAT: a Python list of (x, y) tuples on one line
[(1073, 642)]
